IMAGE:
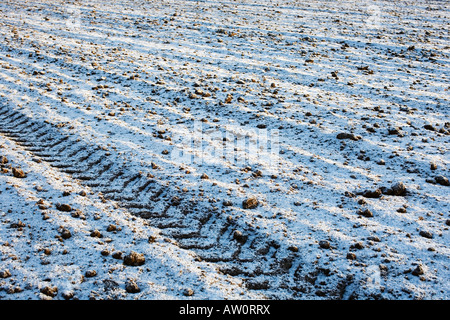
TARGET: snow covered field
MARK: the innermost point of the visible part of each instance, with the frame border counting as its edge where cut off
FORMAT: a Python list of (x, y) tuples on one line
[(224, 149)]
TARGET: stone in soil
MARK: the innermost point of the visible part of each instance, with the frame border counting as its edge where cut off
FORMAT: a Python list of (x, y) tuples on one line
[(324, 244), (18, 224)]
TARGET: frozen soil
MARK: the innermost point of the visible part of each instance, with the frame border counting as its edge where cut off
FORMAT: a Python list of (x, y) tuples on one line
[(106, 194)]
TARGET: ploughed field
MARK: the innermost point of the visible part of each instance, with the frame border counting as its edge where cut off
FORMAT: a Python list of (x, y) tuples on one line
[(224, 149)]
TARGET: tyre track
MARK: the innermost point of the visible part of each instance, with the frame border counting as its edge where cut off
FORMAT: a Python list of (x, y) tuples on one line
[(188, 223)]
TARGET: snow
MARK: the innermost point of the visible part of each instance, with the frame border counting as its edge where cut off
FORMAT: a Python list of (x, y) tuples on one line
[(133, 101)]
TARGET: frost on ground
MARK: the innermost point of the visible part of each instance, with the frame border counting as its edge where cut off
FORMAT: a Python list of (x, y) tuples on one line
[(224, 150)]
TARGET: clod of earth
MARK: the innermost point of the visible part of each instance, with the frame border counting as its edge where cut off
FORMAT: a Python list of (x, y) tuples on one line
[(426, 234), (67, 295), (188, 292), (372, 194), (398, 189), (5, 274), (350, 136), (96, 234), (365, 213), (117, 255), (63, 207), (351, 256), (250, 203), (90, 273), (18, 173), (134, 259), (419, 270), (227, 203), (64, 232), (357, 245), (229, 98), (239, 237), (175, 201), (442, 180), (50, 291), (131, 286)]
